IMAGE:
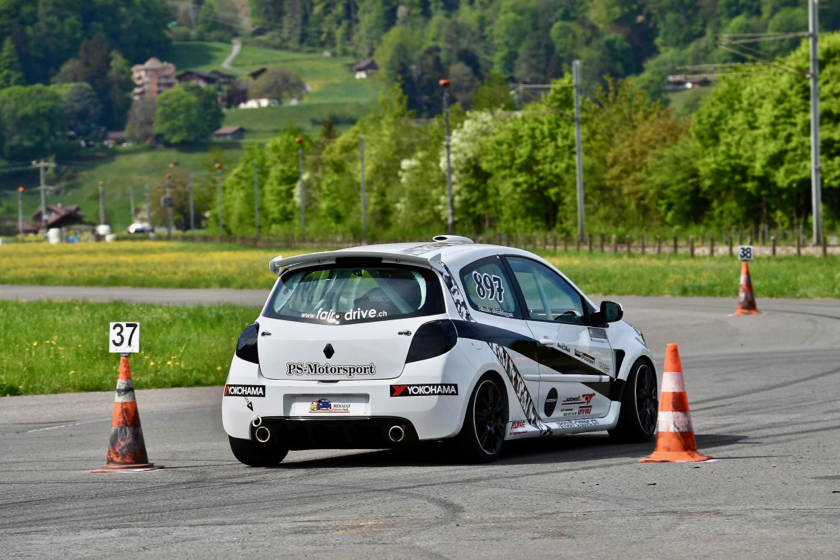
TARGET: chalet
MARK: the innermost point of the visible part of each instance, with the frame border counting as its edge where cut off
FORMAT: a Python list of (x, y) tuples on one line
[(204, 79), (58, 216), (365, 68), (257, 73), (230, 133), (687, 82)]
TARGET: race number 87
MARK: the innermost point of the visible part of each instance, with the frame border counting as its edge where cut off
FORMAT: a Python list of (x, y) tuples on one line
[(124, 338), (745, 252)]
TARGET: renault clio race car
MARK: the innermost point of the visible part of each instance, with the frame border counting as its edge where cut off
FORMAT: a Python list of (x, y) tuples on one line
[(393, 345)]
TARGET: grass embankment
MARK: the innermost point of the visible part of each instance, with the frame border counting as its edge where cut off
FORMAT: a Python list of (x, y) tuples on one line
[(210, 265), (61, 347)]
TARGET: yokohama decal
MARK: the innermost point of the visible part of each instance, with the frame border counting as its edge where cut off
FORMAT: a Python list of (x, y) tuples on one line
[(423, 390), (245, 391), (519, 387)]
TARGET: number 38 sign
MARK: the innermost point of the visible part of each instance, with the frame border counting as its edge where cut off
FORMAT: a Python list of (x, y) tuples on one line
[(745, 252), (124, 338)]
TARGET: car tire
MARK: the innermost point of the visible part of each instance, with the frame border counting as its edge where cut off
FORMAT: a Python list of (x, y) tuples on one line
[(256, 454), (483, 434), (639, 406)]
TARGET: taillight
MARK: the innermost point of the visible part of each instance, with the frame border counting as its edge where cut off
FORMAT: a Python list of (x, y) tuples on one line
[(432, 339), (246, 346)]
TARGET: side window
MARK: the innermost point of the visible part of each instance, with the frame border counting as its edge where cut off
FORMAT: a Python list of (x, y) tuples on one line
[(489, 289), (548, 296)]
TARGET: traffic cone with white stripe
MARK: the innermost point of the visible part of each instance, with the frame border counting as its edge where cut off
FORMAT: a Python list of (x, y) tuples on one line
[(127, 449), (746, 297), (675, 441)]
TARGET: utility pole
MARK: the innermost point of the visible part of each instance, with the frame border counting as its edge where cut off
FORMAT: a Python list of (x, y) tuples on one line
[(256, 202), (192, 210), (101, 202), (816, 188), (299, 141), (148, 206), (20, 211), (168, 205), (41, 164), (364, 201), (219, 181), (450, 213), (578, 150)]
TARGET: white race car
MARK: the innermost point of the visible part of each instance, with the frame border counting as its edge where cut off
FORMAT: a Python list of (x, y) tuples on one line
[(393, 345)]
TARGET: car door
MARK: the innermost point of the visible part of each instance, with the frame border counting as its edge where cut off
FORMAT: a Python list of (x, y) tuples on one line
[(575, 358), (498, 316)]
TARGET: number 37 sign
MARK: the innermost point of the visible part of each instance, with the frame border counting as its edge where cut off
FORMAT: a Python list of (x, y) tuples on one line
[(124, 338)]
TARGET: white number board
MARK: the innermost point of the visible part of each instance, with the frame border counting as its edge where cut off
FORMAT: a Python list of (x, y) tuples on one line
[(745, 252), (124, 338)]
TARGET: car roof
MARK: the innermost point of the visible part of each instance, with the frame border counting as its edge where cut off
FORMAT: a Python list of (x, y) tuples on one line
[(418, 253)]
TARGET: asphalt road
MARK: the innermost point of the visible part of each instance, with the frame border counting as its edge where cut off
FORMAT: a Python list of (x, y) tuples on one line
[(763, 392)]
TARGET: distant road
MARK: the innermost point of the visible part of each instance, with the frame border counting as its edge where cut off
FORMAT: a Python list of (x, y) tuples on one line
[(165, 296), (237, 46)]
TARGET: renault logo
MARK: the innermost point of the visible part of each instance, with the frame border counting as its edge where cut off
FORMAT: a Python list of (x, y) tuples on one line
[(328, 351)]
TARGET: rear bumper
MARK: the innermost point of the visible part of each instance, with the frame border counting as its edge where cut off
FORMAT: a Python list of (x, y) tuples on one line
[(425, 417), (339, 433)]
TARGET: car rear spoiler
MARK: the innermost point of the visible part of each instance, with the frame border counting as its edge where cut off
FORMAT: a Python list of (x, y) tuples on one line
[(279, 264)]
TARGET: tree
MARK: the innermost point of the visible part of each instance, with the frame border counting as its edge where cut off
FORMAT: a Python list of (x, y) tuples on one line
[(32, 122), (11, 71), (83, 112), (141, 119), (187, 114), (277, 83), (493, 94)]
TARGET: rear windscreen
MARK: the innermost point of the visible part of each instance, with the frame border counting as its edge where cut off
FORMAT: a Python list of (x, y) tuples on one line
[(340, 295)]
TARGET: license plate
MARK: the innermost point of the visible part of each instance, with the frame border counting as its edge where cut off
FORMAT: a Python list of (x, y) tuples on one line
[(341, 405)]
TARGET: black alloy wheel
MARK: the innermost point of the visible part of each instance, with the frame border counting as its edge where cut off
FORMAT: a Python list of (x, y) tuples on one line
[(639, 406), (647, 401), (483, 434)]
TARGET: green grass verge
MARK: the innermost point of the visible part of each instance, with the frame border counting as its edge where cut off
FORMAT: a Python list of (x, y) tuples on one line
[(61, 347), (210, 265)]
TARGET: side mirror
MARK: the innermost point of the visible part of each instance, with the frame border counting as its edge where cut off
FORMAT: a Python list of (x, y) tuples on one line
[(610, 312)]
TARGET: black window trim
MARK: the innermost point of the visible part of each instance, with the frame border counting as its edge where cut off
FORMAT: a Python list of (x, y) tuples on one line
[(587, 312), (519, 313)]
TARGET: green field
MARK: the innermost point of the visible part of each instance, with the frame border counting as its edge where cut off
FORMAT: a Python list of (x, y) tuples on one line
[(61, 347), (209, 265)]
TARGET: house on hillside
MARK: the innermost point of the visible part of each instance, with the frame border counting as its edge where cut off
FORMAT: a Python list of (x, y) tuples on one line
[(257, 73), (58, 216), (152, 78), (204, 79), (687, 82), (365, 68), (230, 133)]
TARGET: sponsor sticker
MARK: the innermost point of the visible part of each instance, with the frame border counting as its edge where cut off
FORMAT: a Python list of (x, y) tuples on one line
[(244, 390), (597, 333), (315, 368), (577, 423), (431, 389), (550, 402), (588, 358), (492, 311), (322, 406), (605, 367), (517, 428)]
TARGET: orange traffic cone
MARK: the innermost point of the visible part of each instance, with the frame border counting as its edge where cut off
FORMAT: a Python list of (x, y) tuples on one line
[(746, 298), (675, 441), (127, 449)]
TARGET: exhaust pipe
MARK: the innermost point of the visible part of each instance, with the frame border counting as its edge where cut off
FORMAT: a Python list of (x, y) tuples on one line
[(256, 422), (262, 434), (396, 433)]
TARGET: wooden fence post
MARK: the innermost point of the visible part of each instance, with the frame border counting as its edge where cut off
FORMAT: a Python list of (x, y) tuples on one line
[(566, 242), (824, 246), (773, 243), (615, 244), (711, 245), (629, 243), (675, 244), (590, 242), (643, 244), (658, 245), (691, 246), (555, 242), (603, 237)]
